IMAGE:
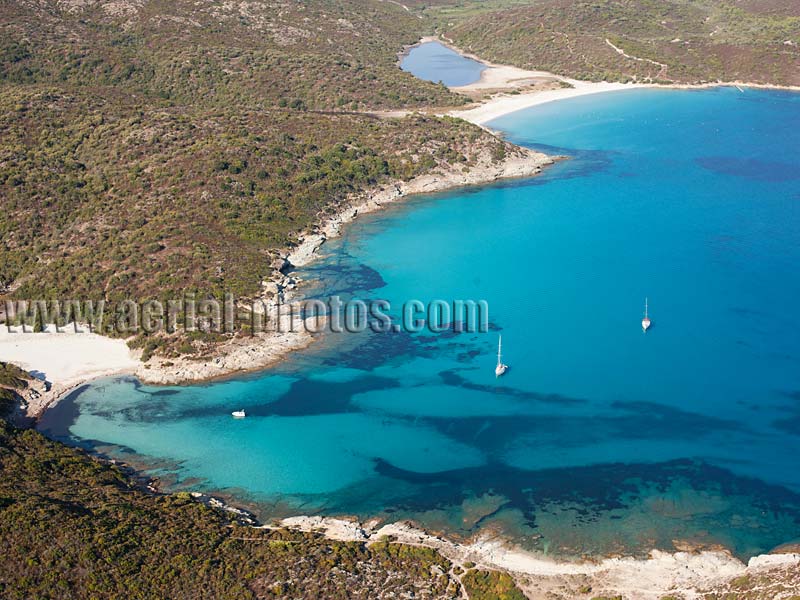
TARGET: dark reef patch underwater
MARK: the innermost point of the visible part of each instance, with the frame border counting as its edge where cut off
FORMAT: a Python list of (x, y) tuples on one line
[(600, 438)]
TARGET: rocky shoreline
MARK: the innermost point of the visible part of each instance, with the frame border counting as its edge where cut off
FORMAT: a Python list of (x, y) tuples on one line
[(690, 573), (526, 163), (687, 574), (263, 350), (246, 354), (241, 355)]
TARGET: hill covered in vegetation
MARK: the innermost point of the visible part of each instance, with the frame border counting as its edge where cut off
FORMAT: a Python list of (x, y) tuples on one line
[(667, 41), (154, 149), (113, 196), (74, 527), (13, 382), (316, 54)]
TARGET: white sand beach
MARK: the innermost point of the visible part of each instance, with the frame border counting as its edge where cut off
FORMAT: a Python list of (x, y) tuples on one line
[(64, 359), (504, 104), (504, 89), (506, 77), (67, 359)]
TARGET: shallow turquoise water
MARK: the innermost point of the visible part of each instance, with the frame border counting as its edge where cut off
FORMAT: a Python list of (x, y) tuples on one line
[(435, 62), (600, 438)]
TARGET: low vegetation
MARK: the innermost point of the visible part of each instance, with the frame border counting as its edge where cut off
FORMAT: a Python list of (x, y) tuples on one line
[(683, 41), (490, 585), (153, 150), (310, 55), (157, 149), (781, 582), (107, 196), (13, 380), (73, 527)]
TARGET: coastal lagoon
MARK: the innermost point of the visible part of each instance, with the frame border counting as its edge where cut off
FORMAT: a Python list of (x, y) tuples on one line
[(433, 61), (600, 438)]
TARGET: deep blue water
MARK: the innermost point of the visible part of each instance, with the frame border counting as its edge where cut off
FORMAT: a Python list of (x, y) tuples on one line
[(600, 438), (435, 62)]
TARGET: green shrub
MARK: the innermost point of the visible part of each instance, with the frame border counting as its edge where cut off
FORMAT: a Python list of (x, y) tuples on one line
[(490, 585)]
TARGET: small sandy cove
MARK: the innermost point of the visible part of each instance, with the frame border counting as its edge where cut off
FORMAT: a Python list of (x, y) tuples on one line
[(64, 359), (67, 359), (66, 356), (503, 89)]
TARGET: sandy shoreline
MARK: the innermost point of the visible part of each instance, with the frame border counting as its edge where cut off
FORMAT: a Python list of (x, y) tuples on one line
[(512, 88), (506, 104), (65, 360), (68, 359)]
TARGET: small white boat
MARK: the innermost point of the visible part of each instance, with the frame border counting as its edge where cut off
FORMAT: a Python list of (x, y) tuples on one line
[(500, 368), (646, 320), (239, 414)]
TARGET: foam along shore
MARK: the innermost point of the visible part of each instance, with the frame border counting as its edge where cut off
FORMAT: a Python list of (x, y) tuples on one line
[(63, 359), (688, 574)]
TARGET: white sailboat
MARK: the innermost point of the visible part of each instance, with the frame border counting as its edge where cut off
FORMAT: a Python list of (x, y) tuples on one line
[(500, 368), (646, 320), (239, 414)]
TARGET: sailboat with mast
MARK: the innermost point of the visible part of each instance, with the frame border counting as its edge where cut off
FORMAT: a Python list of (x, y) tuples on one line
[(646, 320), (500, 368)]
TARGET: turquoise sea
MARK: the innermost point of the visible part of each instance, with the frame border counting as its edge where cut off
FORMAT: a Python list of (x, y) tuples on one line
[(600, 438)]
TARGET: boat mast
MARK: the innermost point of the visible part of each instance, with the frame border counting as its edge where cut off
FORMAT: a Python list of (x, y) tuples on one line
[(499, 347)]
